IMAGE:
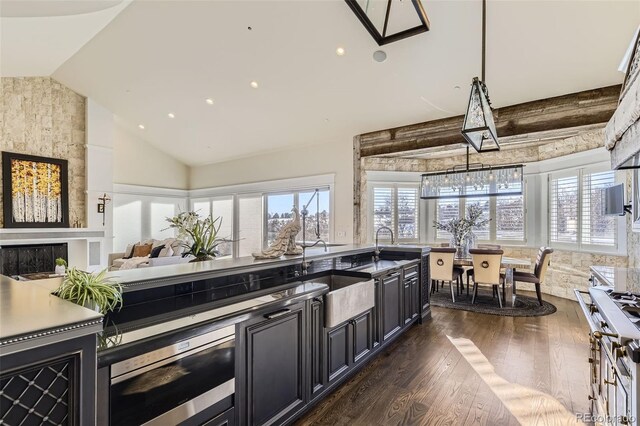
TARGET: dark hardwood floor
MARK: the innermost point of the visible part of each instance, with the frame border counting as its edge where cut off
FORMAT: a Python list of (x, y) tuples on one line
[(423, 378)]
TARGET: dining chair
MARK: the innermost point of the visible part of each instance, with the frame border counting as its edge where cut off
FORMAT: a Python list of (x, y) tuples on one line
[(539, 272), (486, 265), (442, 269), (469, 272)]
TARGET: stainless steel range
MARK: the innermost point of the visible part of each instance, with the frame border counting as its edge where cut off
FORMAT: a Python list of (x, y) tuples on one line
[(612, 310)]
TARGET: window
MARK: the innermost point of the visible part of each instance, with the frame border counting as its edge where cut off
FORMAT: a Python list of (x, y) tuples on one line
[(279, 213), (446, 209), (507, 223), (509, 217), (249, 224), (396, 207), (575, 209), (563, 209)]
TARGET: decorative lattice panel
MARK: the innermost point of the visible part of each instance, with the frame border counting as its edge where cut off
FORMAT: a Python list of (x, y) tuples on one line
[(37, 396), (424, 280)]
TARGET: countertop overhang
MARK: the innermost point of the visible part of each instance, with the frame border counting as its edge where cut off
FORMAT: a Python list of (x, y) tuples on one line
[(30, 317)]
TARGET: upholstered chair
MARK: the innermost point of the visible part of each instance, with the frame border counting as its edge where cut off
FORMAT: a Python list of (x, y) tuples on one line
[(469, 272), (539, 271), (442, 269), (486, 266)]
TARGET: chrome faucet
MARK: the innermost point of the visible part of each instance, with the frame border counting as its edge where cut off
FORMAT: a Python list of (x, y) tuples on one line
[(305, 246), (305, 264), (376, 253)]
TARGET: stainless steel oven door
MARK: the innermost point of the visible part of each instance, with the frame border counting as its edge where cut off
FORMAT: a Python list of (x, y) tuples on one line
[(172, 384)]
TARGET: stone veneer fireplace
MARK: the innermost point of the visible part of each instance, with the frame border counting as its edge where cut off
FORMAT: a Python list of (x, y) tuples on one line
[(31, 258)]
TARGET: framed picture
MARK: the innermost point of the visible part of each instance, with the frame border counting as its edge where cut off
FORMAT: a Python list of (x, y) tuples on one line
[(34, 191), (633, 69)]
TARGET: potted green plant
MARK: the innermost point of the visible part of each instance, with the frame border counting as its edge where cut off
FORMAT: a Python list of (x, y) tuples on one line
[(61, 266), (93, 291), (201, 234)]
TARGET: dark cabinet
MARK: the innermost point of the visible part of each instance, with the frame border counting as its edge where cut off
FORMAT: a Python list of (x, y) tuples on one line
[(226, 418), (392, 290), (316, 347), (337, 351), (411, 293), (361, 327), (348, 344), (274, 366)]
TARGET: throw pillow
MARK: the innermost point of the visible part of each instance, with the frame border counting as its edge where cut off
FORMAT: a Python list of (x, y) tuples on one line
[(167, 251), (155, 252), (128, 252), (142, 250)]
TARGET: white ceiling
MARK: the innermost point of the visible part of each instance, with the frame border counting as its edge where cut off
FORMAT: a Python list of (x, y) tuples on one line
[(158, 57), (36, 37)]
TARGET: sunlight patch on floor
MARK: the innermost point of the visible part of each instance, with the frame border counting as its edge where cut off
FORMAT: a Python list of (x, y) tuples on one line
[(528, 406)]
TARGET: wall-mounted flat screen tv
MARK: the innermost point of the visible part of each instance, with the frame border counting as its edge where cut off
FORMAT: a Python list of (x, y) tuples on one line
[(614, 200)]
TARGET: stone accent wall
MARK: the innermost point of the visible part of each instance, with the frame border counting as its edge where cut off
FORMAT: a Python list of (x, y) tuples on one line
[(39, 116), (568, 269)]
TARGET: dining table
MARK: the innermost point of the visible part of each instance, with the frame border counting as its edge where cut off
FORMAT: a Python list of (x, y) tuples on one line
[(509, 264)]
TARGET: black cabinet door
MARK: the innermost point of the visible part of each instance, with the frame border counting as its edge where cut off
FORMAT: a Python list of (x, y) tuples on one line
[(362, 336), (408, 303), (316, 347), (376, 314), (337, 351), (275, 360), (415, 297), (392, 301)]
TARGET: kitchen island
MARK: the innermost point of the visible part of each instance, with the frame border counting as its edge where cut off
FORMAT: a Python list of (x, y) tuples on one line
[(244, 341)]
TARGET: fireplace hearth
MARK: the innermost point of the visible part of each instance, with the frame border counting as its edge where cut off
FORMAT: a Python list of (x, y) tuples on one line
[(30, 259)]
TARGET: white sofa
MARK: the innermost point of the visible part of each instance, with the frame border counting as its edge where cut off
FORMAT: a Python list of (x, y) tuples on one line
[(116, 260)]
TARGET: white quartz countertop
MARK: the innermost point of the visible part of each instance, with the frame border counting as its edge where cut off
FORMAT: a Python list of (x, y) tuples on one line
[(30, 316)]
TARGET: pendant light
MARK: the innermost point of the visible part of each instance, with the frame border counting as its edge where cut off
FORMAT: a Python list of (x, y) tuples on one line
[(479, 128)]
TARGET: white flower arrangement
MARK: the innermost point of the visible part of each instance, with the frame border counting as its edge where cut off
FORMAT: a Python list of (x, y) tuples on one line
[(460, 228)]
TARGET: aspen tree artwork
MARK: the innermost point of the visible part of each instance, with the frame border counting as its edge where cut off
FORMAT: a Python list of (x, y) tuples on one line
[(34, 191)]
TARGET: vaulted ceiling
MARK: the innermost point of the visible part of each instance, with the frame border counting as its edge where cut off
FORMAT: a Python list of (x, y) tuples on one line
[(160, 57)]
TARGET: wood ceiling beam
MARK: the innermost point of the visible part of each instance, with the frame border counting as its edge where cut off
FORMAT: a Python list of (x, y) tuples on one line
[(573, 110)]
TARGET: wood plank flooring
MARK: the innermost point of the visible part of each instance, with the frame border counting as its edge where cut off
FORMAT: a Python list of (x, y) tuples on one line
[(422, 379)]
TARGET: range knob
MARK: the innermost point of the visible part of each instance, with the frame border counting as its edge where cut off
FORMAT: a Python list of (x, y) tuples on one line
[(593, 309), (604, 324)]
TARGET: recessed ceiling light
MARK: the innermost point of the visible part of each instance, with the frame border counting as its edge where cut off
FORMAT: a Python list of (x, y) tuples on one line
[(141, 126), (171, 115), (340, 51), (254, 84), (379, 56), (209, 101)]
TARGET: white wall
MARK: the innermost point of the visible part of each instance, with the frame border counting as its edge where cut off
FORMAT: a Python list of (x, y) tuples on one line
[(136, 162), (335, 158)]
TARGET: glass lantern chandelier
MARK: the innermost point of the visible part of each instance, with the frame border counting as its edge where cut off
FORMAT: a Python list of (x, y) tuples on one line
[(472, 180), (390, 20), (479, 128)]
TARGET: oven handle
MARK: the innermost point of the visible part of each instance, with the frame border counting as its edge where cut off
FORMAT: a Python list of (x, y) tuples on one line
[(585, 310), (139, 371)]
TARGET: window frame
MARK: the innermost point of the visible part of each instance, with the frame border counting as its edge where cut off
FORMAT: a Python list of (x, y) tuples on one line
[(296, 203), (619, 248), (462, 209), (394, 187)]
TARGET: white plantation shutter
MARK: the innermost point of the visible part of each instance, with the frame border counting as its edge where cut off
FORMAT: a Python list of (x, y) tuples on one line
[(510, 217), (483, 232), (383, 209), (597, 229), (407, 206), (446, 209), (563, 209)]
